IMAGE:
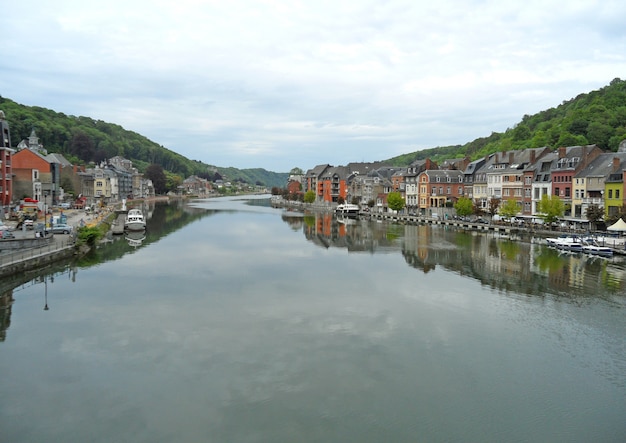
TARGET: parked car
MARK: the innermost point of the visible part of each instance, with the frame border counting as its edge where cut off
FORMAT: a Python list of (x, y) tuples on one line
[(62, 229), (6, 234), (29, 224), (65, 205)]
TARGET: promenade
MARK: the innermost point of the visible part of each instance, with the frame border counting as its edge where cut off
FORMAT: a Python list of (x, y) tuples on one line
[(27, 251)]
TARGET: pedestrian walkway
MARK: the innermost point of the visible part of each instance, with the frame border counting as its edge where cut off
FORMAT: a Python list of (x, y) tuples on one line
[(50, 249)]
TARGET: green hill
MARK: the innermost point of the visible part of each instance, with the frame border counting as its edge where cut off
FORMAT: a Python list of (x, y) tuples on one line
[(598, 117), (83, 140)]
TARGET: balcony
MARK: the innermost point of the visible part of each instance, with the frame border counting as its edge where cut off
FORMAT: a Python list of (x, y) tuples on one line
[(593, 201)]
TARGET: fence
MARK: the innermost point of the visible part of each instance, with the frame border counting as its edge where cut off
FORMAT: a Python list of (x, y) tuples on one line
[(20, 260)]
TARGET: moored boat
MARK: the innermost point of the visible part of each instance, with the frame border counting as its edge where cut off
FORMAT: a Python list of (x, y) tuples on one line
[(566, 242), (348, 209), (590, 246), (135, 221)]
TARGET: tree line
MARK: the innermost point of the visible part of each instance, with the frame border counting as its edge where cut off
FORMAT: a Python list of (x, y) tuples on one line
[(597, 117)]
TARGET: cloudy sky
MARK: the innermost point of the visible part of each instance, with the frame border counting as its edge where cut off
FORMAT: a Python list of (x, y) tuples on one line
[(278, 84)]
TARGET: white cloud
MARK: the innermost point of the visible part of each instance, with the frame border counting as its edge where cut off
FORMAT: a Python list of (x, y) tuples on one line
[(281, 84)]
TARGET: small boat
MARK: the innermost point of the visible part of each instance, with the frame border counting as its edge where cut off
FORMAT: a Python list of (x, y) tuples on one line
[(348, 209), (566, 242), (590, 246), (134, 221)]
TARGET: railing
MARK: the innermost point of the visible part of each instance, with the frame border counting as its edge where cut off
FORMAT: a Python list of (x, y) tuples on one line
[(11, 257)]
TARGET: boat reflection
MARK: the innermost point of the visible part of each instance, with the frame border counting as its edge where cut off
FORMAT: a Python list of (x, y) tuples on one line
[(135, 238)]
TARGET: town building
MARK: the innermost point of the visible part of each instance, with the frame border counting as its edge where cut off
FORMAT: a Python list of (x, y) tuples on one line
[(6, 166)]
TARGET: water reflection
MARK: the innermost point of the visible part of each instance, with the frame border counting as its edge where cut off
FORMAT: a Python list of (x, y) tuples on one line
[(271, 325), (503, 262)]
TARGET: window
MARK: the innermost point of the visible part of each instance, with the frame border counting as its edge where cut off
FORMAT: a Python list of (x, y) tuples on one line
[(610, 193), (556, 191), (449, 190), (617, 193)]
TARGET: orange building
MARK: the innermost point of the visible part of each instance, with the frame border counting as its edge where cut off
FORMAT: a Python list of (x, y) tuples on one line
[(35, 176), (439, 188)]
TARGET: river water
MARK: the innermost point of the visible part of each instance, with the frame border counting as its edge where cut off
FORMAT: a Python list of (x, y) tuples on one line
[(235, 322)]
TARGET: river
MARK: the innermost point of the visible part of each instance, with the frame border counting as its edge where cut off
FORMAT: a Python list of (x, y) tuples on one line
[(232, 321)]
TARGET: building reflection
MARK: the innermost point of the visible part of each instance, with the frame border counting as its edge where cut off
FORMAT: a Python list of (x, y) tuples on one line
[(502, 262), (6, 301)]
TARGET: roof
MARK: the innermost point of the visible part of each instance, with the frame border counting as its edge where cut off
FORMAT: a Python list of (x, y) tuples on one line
[(317, 171), (604, 165), (58, 158)]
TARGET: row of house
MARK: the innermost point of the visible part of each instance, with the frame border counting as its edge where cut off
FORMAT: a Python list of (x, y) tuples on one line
[(28, 171), (579, 175)]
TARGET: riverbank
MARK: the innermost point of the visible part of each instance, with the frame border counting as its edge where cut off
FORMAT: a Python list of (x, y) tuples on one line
[(517, 231), (26, 252)]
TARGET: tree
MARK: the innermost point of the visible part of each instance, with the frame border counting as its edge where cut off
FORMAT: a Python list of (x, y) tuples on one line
[(509, 208), (594, 214), (155, 173), (82, 147), (494, 204), (309, 197), (395, 201), (464, 207), (296, 171), (550, 208), (477, 208)]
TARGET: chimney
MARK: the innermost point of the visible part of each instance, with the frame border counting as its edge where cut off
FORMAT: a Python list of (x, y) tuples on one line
[(616, 162), (532, 156), (511, 157), (562, 152)]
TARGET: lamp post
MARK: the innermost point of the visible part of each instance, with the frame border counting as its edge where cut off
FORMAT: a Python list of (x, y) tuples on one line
[(45, 214)]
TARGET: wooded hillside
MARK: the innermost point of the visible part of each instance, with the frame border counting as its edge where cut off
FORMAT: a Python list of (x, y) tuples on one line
[(82, 140), (598, 117)]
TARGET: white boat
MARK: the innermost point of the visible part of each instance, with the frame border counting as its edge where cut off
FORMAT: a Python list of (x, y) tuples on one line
[(348, 209), (135, 221), (590, 246), (566, 242)]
